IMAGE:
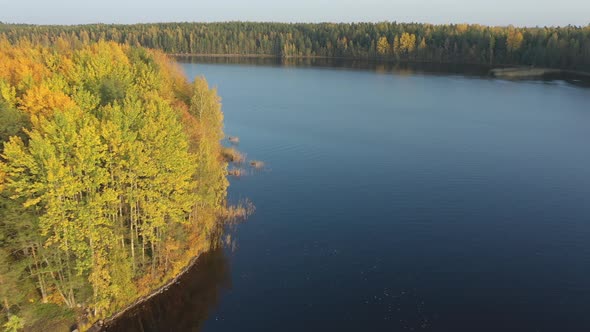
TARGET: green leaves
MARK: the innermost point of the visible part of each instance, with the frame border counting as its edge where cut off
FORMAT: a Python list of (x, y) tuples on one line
[(14, 324), (105, 171), (561, 47)]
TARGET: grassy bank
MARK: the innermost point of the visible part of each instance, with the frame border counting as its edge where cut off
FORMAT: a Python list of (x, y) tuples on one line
[(532, 73)]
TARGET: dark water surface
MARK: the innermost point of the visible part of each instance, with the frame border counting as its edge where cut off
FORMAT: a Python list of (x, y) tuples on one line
[(397, 200), (186, 305)]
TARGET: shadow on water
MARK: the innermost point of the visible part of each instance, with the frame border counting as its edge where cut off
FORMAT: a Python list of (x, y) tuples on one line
[(186, 305)]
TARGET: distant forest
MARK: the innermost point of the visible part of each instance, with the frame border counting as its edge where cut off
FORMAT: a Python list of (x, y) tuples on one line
[(555, 47)]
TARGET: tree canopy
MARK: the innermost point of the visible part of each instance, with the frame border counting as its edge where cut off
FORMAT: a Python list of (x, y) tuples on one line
[(110, 175), (556, 47)]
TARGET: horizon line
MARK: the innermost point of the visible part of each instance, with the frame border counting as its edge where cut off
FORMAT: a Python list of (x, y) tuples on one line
[(298, 23)]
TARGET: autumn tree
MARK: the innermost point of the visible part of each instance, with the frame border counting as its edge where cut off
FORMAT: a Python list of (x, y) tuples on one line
[(407, 43), (514, 40), (444, 43), (383, 46), (111, 177)]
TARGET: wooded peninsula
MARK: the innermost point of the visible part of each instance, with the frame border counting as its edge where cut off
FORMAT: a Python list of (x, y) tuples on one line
[(111, 179), (551, 47)]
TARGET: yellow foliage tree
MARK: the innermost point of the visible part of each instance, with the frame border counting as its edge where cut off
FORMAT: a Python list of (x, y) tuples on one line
[(116, 157), (408, 42), (462, 28), (40, 100), (383, 46), (514, 40)]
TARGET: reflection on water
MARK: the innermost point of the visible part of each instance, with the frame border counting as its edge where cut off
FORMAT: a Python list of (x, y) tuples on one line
[(378, 66), (184, 306)]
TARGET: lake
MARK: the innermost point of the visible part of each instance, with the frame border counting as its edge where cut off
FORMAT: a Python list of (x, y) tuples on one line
[(395, 199)]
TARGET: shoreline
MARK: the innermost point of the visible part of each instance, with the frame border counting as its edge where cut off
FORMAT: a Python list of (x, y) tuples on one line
[(322, 57), (532, 72), (497, 70), (101, 324)]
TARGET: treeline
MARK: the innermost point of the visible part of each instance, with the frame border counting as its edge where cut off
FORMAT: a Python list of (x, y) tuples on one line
[(110, 175), (556, 47)]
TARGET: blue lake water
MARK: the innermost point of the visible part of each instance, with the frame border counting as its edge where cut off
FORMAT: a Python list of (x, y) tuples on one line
[(399, 200)]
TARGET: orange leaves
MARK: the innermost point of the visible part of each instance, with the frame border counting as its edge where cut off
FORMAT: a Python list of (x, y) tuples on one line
[(192, 128), (23, 68), (40, 100), (19, 66), (55, 297)]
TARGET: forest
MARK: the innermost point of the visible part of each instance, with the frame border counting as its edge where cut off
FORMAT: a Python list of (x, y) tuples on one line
[(112, 175), (111, 178), (552, 47)]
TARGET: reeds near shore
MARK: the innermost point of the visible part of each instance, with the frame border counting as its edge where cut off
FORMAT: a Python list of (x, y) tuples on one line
[(236, 172), (240, 211), (232, 155), (257, 164)]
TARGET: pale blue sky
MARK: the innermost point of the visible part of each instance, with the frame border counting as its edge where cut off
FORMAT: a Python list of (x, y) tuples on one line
[(491, 12)]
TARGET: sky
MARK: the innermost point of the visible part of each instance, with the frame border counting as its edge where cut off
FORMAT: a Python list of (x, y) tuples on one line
[(488, 12)]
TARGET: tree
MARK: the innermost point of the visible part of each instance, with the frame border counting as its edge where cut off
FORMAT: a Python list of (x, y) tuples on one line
[(111, 177), (492, 46), (446, 43), (383, 46), (514, 40), (407, 43), (396, 46), (422, 46)]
